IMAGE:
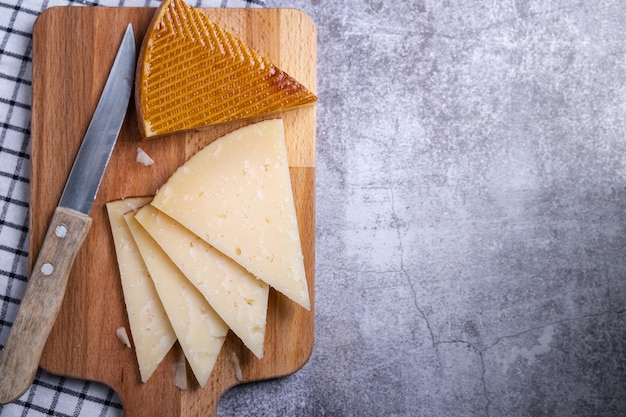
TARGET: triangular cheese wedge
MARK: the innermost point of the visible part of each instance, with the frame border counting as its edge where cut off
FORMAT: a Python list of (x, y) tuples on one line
[(236, 195), (151, 331), (200, 331), (236, 295), (192, 74)]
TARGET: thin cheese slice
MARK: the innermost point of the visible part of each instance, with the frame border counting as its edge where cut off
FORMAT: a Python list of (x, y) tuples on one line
[(200, 331), (236, 195), (152, 333), (236, 295)]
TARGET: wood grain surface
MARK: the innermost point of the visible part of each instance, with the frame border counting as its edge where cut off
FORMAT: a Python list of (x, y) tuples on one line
[(73, 50)]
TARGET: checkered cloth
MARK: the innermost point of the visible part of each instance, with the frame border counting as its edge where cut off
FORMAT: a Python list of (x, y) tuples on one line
[(49, 395)]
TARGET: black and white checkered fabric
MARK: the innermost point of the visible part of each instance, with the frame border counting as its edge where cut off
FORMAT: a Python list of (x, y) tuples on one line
[(49, 395)]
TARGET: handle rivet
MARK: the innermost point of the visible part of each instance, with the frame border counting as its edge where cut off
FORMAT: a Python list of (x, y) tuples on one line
[(47, 269), (61, 231)]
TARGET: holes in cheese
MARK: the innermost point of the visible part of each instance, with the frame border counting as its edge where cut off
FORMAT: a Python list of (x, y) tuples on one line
[(151, 331), (237, 296), (200, 331), (236, 195)]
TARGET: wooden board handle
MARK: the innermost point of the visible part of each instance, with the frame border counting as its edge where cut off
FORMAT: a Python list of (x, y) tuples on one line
[(41, 302)]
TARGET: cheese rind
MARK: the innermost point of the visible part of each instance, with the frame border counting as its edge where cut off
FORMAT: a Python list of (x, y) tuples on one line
[(151, 331), (236, 195), (200, 331), (236, 295), (191, 74)]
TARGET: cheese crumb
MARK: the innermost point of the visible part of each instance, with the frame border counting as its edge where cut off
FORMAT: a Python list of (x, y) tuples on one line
[(235, 361), (144, 158), (180, 372), (122, 336)]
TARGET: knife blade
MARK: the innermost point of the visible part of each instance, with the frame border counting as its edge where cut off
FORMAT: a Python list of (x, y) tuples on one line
[(67, 231)]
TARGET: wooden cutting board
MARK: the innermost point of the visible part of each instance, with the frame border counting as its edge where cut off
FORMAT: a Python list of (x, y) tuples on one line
[(73, 50)]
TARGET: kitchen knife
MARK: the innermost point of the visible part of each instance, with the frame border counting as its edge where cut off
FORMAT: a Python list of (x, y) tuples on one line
[(67, 230)]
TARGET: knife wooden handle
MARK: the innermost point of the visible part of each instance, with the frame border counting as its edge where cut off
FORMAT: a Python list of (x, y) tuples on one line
[(41, 302)]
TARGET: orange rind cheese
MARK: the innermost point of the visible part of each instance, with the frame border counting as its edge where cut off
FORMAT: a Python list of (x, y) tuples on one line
[(193, 74)]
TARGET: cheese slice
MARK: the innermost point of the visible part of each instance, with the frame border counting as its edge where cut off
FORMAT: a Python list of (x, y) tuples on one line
[(200, 331), (236, 195), (151, 331), (192, 73), (236, 295)]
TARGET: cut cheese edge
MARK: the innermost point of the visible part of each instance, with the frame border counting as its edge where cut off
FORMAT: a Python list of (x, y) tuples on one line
[(191, 74), (151, 331), (200, 331), (236, 195), (236, 295)]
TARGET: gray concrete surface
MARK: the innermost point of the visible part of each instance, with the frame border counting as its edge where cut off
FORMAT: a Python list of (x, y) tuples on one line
[(471, 213)]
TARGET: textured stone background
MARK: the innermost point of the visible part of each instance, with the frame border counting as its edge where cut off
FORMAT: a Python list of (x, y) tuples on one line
[(471, 197)]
